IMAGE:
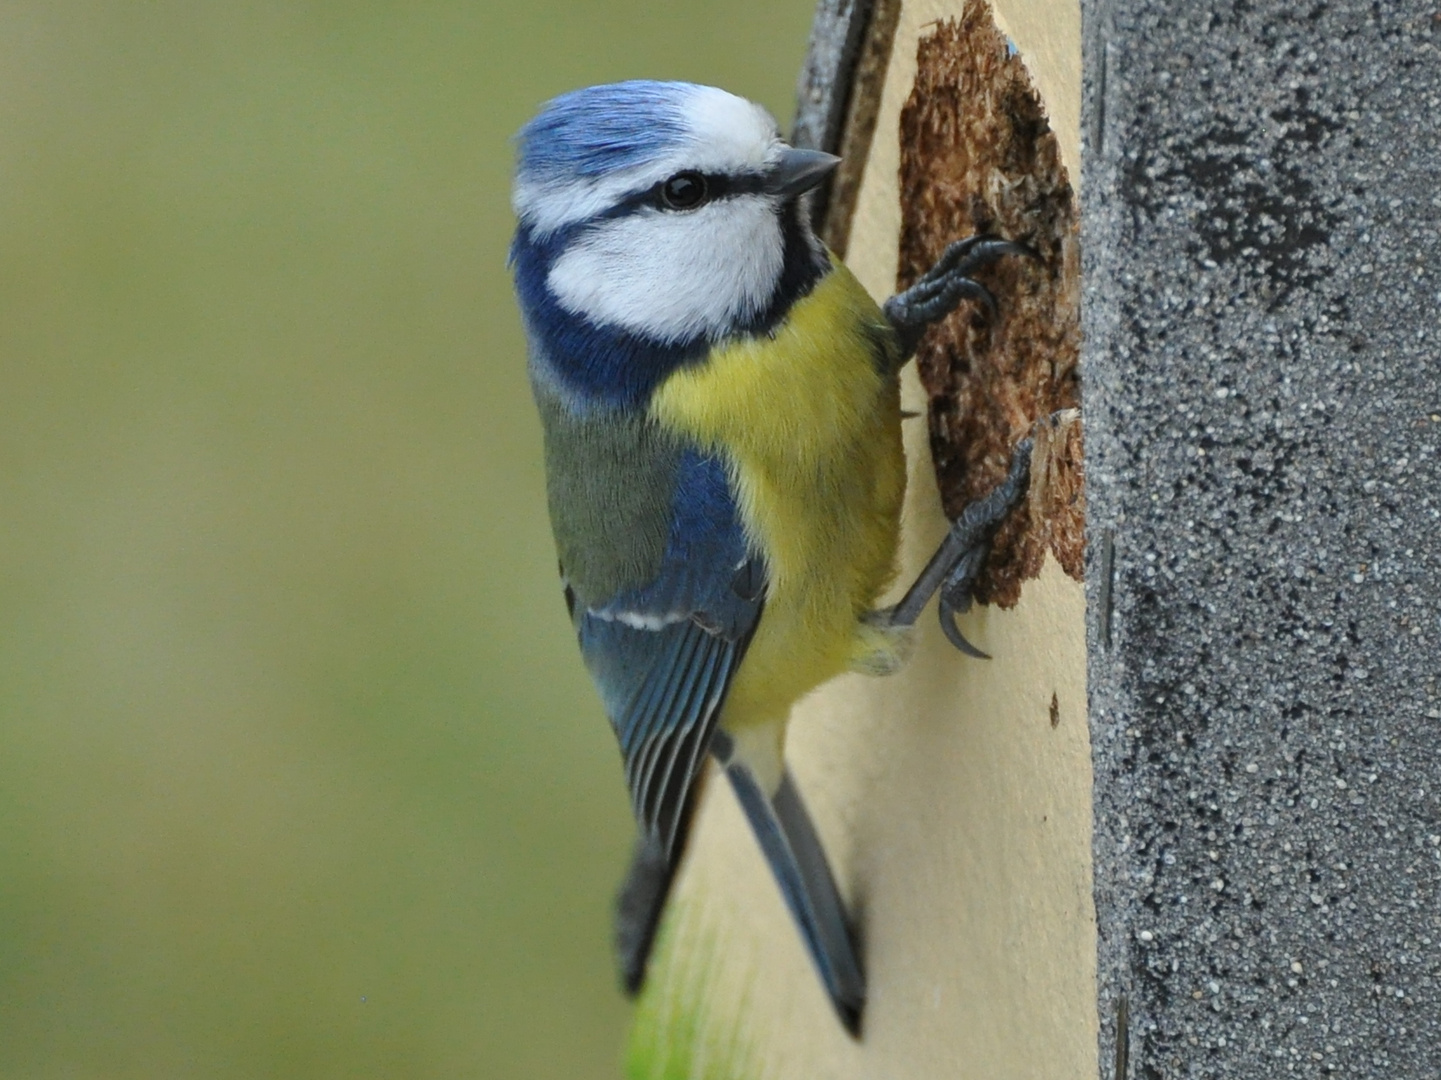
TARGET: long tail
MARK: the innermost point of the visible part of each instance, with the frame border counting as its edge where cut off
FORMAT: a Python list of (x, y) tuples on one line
[(640, 900), (638, 907), (789, 842)]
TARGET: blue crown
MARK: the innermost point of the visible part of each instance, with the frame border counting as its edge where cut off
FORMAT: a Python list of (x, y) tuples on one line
[(601, 129)]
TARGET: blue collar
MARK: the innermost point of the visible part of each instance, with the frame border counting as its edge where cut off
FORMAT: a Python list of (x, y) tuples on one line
[(609, 367)]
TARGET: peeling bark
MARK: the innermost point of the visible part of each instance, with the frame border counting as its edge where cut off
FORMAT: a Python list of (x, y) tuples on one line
[(978, 156)]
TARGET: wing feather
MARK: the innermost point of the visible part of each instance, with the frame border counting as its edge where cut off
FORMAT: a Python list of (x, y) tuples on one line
[(662, 784), (666, 721), (663, 655)]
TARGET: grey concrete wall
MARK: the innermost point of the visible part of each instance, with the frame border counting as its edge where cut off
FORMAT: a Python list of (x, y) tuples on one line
[(1262, 238)]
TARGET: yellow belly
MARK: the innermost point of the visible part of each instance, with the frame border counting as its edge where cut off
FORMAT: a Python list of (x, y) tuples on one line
[(809, 423)]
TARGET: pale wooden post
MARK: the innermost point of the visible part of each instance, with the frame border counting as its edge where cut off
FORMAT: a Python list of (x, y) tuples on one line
[(955, 798)]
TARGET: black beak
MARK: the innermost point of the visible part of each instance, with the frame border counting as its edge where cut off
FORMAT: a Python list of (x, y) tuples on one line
[(798, 171)]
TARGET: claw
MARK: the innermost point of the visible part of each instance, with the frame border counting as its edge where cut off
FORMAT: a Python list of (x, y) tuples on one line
[(955, 598), (947, 282), (998, 248), (953, 632), (975, 252), (956, 251), (977, 291)]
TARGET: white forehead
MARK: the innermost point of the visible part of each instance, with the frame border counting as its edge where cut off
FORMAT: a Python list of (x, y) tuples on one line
[(728, 133), (720, 133)]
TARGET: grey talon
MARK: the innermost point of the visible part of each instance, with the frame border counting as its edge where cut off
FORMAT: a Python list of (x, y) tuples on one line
[(976, 291), (953, 569), (946, 283), (955, 637), (955, 598)]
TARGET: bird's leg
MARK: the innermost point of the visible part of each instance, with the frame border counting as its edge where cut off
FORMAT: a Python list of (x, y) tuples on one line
[(945, 284), (953, 568)]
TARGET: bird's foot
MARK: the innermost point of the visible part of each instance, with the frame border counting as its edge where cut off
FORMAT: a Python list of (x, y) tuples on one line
[(957, 563), (946, 283), (971, 535)]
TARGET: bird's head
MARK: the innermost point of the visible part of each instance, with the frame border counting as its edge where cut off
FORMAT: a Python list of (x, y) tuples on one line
[(665, 210)]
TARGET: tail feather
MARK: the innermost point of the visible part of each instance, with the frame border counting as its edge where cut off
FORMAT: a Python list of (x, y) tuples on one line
[(638, 908), (789, 842), (640, 901), (791, 846)]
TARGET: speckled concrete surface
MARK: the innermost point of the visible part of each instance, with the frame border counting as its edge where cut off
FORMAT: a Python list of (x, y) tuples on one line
[(1262, 245)]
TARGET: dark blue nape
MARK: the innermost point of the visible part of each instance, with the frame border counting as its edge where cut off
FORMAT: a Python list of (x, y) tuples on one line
[(604, 365)]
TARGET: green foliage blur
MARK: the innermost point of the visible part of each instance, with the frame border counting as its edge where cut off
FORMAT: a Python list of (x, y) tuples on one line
[(300, 774)]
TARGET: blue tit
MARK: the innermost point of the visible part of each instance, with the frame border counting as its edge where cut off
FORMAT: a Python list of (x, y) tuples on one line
[(721, 412)]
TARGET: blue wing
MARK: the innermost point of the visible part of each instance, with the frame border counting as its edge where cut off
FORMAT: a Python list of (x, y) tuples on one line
[(663, 654)]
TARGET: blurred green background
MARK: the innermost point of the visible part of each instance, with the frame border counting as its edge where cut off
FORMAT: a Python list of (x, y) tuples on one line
[(300, 774)]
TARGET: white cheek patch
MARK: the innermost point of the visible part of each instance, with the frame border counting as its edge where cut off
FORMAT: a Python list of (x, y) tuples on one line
[(675, 276)]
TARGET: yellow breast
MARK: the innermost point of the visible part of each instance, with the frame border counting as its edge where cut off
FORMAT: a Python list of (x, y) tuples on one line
[(808, 420)]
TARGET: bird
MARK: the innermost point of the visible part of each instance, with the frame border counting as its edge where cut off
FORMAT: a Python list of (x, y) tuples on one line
[(720, 408)]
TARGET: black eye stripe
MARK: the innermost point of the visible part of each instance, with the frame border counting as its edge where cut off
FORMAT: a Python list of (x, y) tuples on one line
[(718, 186)]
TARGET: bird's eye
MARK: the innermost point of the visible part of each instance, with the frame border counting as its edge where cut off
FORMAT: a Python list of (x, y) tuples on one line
[(684, 191)]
